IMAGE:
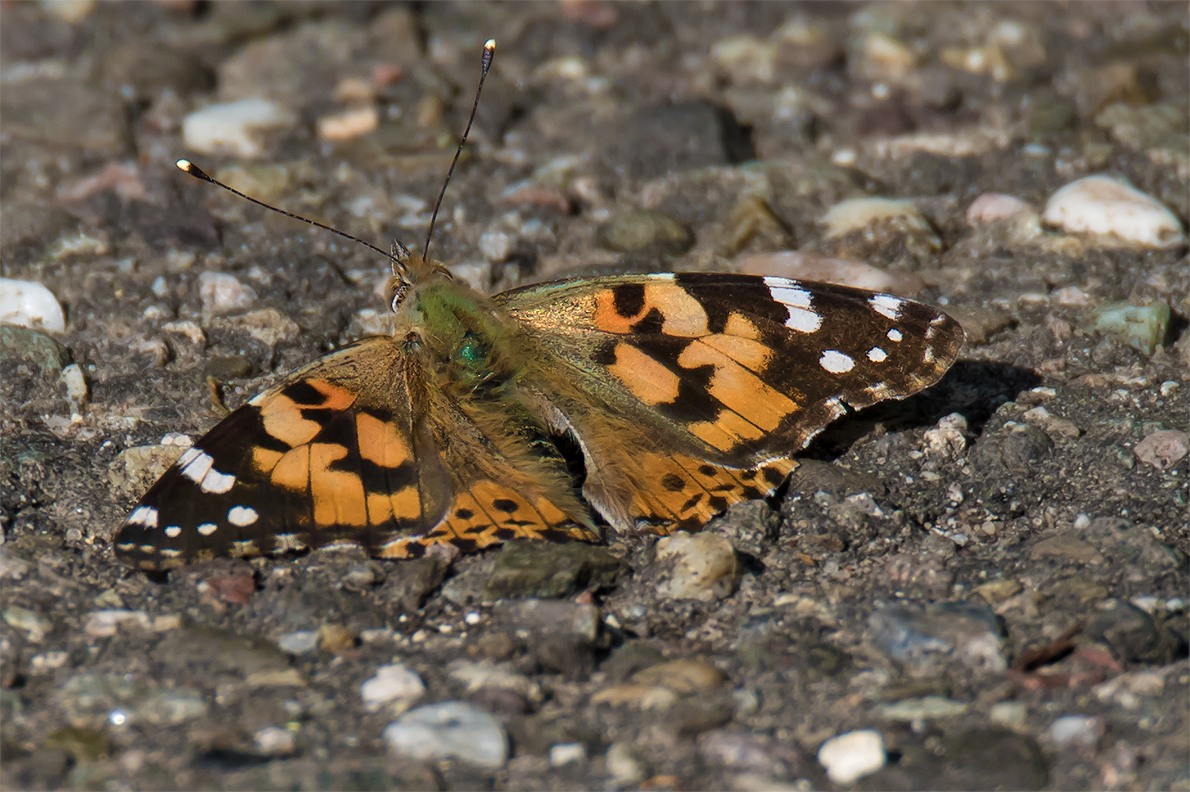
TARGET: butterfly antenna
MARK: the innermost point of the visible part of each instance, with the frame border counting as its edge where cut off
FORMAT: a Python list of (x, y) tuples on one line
[(489, 49), (399, 251)]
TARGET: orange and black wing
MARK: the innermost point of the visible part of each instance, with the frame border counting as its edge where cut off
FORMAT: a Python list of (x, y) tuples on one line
[(700, 386), (336, 456)]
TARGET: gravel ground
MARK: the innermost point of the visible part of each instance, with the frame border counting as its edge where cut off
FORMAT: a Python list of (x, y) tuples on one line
[(982, 587)]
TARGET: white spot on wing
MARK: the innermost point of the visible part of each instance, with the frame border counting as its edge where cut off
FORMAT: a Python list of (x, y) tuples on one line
[(894, 335), (928, 355), (886, 305), (836, 362), (206, 529), (877, 355), (803, 320), (242, 516), (217, 482), (144, 515), (665, 276), (173, 531), (197, 466), (188, 456), (785, 294)]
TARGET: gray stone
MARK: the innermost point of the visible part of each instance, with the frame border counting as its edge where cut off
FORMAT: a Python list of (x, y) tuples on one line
[(665, 138), (543, 569), (983, 758), (449, 730), (215, 650), (1133, 635), (923, 638), (411, 583), (646, 233), (551, 617)]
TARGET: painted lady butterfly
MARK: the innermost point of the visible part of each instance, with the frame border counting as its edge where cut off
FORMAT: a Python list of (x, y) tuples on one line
[(652, 401)]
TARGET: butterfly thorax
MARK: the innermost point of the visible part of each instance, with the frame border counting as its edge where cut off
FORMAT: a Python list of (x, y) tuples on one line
[(468, 346)]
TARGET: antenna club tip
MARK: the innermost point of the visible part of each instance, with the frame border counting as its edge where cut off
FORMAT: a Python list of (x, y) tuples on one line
[(489, 45), (184, 165)]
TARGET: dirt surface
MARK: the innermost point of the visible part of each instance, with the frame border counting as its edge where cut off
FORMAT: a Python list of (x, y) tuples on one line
[(988, 579)]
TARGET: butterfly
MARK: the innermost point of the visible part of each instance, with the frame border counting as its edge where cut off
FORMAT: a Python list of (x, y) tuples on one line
[(645, 403), (679, 393)]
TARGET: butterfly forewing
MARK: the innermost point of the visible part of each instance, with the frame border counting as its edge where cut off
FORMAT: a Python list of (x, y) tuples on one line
[(748, 366)]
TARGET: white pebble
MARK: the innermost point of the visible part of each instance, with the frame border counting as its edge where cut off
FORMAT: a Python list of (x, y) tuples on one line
[(106, 623), (496, 245), (275, 741), (700, 566), (566, 753), (856, 214), (851, 756), (1071, 730), (392, 683), (76, 384), (30, 304), (299, 643), (222, 293), (449, 730), (623, 765), (233, 127), (1114, 211)]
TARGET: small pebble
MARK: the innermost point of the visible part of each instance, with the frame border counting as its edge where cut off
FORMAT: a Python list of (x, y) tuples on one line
[(699, 566), (851, 756), (856, 214), (1115, 212), (233, 127), (1142, 327), (486, 674), (623, 765), (1073, 730), (496, 245), (645, 232), (76, 384), (106, 623), (347, 124), (30, 304), (392, 684), (643, 697), (909, 710), (1010, 714), (993, 207), (275, 741), (222, 293), (449, 730), (681, 676), (35, 626), (1163, 449), (567, 753)]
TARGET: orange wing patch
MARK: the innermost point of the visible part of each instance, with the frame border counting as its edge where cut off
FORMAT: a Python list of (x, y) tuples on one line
[(673, 492)]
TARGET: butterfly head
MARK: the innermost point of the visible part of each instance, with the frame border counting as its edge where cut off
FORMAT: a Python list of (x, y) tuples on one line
[(410, 270)]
